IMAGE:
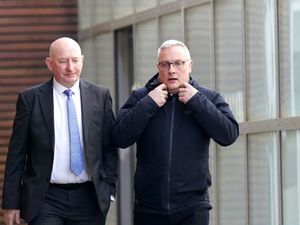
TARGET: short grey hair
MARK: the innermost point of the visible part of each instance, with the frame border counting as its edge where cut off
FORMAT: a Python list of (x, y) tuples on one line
[(171, 43)]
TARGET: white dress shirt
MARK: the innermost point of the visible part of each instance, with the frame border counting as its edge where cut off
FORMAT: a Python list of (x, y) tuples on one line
[(61, 172)]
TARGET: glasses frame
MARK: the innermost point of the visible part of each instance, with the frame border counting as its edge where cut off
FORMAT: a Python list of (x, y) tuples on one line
[(176, 66)]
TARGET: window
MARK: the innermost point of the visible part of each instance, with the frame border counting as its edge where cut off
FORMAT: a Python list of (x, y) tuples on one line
[(105, 61), (263, 179), (231, 180), (144, 5), (102, 11), (198, 40), (291, 177), (290, 60), (122, 8), (260, 59), (170, 27), (229, 54), (145, 51), (85, 11)]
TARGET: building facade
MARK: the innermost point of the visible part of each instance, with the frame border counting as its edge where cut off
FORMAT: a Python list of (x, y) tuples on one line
[(249, 51)]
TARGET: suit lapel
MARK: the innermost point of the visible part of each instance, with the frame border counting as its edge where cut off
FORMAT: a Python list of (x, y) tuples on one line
[(86, 110), (46, 103)]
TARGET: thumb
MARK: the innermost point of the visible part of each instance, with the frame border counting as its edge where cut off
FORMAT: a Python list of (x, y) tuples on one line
[(17, 217)]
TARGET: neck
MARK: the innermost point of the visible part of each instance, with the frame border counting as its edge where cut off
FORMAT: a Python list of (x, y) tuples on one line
[(173, 91)]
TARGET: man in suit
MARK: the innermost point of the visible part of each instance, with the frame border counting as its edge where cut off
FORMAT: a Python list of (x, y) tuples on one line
[(41, 185)]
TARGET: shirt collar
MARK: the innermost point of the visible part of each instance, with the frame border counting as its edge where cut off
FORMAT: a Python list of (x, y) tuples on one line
[(60, 88)]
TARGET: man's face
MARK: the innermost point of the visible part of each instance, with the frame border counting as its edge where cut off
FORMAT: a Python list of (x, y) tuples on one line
[(177, 73), (66, 63)]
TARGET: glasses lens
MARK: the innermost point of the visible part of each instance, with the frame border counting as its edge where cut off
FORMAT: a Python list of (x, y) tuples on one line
[(166, 65), (178, 64)]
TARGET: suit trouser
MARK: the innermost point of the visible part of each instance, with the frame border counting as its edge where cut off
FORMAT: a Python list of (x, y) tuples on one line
[(70, 205), (198, 216)]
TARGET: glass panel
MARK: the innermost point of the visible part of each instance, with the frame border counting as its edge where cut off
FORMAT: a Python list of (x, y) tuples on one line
[(104, 51), (229, 54), (89, 66), (263, 179), (122, 8), (260, 59), (289, 23), (161, 2), (295, 14), (84, 13), (171, 27), (232, 175), (142, 5), (291, 177), (198, 40), (213, 195), (102, 11), (112, 216), (146, 46)]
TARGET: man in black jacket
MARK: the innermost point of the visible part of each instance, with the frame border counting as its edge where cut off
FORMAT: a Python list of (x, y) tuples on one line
[(172, 120)]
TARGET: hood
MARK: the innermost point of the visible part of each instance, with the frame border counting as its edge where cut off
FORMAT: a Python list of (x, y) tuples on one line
[(153, 82)]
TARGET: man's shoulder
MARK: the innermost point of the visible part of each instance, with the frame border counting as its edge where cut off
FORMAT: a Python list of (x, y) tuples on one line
[(92, 85), (209, 93), (37, 88), (140, 92), (206, 90)]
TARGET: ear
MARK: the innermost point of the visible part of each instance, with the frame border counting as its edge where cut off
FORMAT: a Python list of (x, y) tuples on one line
[(190, 65), (48, 63)]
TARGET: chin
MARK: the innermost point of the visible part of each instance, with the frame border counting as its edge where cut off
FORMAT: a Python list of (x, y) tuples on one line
[(173, 86)]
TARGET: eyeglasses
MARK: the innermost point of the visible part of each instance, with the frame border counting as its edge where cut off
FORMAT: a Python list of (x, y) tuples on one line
[(178, 64)]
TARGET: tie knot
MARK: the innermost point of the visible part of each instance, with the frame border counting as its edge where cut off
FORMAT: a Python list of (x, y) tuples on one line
[(68, 92)]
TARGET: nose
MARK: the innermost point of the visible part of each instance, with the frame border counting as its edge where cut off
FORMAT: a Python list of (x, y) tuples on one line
[(171, 67), (70, 65)]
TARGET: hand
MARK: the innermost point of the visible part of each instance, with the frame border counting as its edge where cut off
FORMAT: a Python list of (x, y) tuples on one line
[(186, 92), (11, 215), (159, 94)]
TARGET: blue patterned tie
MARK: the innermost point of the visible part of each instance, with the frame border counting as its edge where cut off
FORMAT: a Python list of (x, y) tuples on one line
[(77, 164)]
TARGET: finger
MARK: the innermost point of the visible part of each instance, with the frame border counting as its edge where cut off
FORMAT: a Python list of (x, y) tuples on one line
[(17, 218), (184, 85), (162, 86), (165, 92), (181, 99), (10, 221), (182, 89)]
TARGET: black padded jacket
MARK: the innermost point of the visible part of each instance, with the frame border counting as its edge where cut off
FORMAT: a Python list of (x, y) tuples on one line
[(172, 170)]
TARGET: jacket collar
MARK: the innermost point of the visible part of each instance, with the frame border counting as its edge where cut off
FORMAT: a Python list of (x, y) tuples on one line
[(154, 82)]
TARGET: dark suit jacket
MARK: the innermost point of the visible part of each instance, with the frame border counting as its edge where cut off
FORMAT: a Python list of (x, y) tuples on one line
[(31, 148)]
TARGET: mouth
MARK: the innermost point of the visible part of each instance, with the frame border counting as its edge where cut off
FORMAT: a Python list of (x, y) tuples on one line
[(172, 79), (70, 75)]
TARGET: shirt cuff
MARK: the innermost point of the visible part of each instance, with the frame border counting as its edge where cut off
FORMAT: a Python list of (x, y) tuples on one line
[(112, 198)]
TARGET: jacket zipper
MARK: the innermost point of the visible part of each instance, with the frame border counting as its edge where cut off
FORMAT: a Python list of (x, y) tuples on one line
[(170, 154)]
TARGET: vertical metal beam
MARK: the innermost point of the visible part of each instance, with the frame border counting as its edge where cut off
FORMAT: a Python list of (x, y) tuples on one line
[(244, 55), (213, 154), (278, 112), (124, 73)]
